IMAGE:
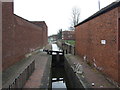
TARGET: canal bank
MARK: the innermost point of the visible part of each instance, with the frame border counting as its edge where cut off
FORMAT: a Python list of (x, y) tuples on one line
[(78, 73), (62, 71), (63, 77), (89, 77), (41, 77)]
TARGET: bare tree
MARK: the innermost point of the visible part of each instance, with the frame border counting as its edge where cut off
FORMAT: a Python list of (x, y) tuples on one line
[(75, 17)]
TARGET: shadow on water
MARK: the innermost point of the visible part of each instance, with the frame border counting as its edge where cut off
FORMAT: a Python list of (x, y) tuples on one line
[(59, 78)]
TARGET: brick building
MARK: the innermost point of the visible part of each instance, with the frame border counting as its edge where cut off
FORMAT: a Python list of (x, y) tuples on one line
[(43, 25), (19, 36), (98, 40), (68, 35), (52, 38)]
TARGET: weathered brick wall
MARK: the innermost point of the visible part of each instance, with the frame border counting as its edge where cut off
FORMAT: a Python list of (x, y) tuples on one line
[(43, 25), (27, 37), (68, 35), (0, 39), (7, 34), (88, 42), (19, 36), (45, 34), (119, 45)]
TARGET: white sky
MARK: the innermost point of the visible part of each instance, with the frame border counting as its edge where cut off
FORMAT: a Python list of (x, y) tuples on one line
[(56, 13)]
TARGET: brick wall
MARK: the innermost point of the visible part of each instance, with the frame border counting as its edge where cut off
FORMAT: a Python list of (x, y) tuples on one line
[(68, 35), (7, 34), (19, 36), (88, 42), (0, 40), (43, 25), (119, 45)]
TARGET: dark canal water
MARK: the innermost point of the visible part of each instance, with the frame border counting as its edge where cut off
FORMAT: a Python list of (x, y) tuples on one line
[(59, 78)]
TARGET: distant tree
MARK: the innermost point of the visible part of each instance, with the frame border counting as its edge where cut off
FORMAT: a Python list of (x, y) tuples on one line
[(75, 18), (59, 34)]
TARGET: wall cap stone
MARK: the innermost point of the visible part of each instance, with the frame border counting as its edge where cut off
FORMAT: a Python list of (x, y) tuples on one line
[(6, 0)]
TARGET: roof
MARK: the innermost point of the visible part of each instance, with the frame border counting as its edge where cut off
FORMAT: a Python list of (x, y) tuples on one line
[(102, 11), (39, 23), (72, 32), (36, 23), (53, 35)]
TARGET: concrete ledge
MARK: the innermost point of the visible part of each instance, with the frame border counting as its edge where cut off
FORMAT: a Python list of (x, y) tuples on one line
[(40, 78), (46, 79), (90, 77), (76, 81), (7, 0), (21, 70)]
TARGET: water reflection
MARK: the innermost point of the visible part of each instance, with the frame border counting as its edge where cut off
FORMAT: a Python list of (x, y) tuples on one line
[(55, 47), (58, 78)]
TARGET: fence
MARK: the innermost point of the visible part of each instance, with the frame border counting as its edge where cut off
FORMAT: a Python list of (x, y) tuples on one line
[(68, 48)]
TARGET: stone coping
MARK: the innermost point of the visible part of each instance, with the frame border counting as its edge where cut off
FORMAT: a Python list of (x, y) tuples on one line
[(10, 74)]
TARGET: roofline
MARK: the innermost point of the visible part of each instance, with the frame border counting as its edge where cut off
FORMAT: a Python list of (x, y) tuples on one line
[(28, 20), (38, 22), (102, 11)]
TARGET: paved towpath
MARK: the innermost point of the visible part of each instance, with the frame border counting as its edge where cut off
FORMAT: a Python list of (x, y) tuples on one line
[(40, 77), (35, 80), (90, 74)]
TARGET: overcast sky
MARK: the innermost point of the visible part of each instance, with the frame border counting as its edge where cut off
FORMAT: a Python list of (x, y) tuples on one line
[(56, 13)]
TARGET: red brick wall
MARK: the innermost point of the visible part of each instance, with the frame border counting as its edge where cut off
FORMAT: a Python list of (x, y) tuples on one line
[(43, 25), (68, 35), (0, 37), (7, 34), (119, 45), (27, 37), (19, 36), (88, 42)]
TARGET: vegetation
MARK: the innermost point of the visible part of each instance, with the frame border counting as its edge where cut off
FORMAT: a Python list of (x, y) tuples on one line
[(75, 18), (59, 34), (71, 42)]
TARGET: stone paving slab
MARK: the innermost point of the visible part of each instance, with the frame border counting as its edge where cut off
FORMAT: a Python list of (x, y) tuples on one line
[(42, 62), (91, 75)]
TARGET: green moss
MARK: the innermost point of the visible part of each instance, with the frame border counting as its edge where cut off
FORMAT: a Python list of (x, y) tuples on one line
[(71, 42)]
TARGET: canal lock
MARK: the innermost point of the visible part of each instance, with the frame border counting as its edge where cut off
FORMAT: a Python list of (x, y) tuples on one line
[(62, 75)]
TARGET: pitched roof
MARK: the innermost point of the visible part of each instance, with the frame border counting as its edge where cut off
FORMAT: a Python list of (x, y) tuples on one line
[(102, 11)]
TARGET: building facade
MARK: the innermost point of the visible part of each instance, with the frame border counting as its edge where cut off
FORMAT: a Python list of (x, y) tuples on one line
[(98, 40), (19, 36), (52, 38), (68, 35)]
